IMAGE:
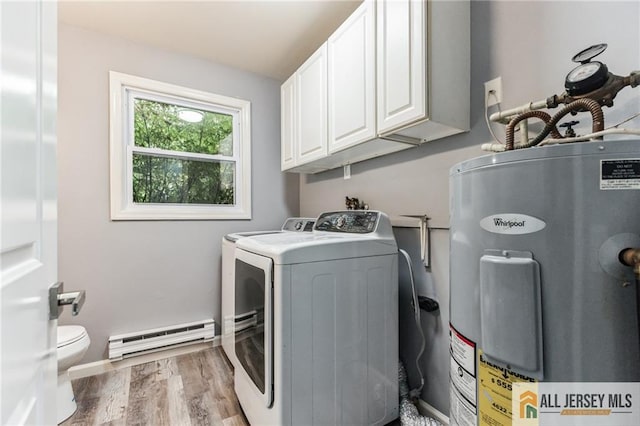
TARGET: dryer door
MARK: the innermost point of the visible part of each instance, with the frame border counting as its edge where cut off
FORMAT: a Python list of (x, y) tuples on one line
[(254, 340)]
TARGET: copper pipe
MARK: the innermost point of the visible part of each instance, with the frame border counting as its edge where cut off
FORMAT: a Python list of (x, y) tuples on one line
[(631, 257), (525, 115)]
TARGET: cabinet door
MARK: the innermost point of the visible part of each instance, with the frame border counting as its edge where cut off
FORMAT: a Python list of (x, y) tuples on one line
[(351, 79), (287, 123), (401, 63), (311, 108)]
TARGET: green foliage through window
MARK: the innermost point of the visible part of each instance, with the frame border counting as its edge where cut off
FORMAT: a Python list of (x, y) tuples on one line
[(176, 178)]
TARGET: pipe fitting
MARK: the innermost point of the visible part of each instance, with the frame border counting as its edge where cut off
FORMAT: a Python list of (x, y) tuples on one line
[(634, 78), (631, 257)]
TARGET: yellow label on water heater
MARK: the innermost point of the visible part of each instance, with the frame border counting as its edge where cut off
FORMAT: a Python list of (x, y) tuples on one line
[(494, 392)]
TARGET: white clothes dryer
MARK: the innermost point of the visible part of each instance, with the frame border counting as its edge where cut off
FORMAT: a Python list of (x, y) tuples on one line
[(228, 317), (324, 346)]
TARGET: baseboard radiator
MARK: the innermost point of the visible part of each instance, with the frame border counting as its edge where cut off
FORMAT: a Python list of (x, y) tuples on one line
[(143, 342)]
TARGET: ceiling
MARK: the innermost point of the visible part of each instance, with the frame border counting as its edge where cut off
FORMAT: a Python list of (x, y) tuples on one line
[(267, 37)]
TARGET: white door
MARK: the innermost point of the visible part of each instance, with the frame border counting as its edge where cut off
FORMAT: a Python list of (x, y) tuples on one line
[(351, 79), (28, 257)]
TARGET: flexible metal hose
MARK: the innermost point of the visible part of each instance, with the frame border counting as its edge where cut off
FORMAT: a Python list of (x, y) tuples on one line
[(509, 145), (409, 414), (415, 393), (581, 104)]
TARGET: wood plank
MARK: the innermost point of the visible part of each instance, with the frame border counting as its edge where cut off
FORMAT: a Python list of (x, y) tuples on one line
[(187, 390), (147, 404), (119, 422), (237, 420), (166, 368), (144, 372), (203, 411), (177, 404), (113, 402), (89, 387), (148, 407), (191, 368), (85, 414)]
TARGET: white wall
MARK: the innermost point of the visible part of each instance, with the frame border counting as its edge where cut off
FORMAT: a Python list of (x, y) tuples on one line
[(529, 44), (141, 275)]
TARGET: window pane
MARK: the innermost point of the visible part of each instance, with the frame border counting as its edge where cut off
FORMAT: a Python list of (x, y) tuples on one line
[(177, 128), (173, 180)]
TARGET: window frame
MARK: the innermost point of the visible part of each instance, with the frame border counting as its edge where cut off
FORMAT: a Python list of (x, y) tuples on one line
[(124, 88)]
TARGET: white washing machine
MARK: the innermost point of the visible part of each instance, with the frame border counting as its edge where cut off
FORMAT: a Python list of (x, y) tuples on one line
[(324, 346), (229, 319)]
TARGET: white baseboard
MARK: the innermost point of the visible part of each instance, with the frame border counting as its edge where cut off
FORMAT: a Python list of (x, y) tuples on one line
[(429, 410), (105, 365)]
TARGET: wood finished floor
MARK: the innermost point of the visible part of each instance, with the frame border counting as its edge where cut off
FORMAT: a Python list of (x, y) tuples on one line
[(191, 389)]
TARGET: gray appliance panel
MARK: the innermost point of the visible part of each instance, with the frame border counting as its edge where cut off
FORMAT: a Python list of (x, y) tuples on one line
[(589, 324)]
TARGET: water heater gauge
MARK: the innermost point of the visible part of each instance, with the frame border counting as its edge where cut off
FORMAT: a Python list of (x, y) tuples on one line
[(588, 76)]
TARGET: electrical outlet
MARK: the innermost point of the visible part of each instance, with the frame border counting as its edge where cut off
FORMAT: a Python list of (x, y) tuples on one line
[(493, 91)]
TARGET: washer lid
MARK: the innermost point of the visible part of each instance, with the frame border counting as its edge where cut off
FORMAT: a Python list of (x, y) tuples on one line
[(233, 237), (68, 334), (291, 248)]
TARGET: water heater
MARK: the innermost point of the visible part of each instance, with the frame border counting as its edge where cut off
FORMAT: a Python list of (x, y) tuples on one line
[(539, 291)]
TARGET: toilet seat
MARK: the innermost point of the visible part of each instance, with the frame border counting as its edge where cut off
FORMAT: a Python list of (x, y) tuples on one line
[(69, 334)]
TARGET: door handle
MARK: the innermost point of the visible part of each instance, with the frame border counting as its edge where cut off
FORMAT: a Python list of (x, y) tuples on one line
[(58, 299)]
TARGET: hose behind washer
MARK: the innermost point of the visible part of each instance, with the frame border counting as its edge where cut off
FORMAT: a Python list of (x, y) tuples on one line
[(409, 415), (415, 393)]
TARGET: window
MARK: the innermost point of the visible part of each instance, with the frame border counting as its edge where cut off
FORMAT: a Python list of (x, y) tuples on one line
[(177, 153)]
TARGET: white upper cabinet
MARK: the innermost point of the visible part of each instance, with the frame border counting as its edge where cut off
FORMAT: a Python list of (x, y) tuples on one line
[(394, 75), (303, 115), (311, 108), (402, 90), (423, 62), (287, 123), (351, 79)]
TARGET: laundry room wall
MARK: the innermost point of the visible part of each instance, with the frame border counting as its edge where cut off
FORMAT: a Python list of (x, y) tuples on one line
[(528, 44), (147, 274)]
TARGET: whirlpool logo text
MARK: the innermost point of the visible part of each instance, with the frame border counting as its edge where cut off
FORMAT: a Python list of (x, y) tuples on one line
[(498, 221), (512, 224)]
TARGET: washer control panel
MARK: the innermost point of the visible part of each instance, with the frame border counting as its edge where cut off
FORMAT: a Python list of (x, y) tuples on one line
[(350, 221), (299, 224)]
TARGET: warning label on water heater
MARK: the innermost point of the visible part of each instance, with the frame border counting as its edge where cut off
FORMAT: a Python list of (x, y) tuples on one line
[(495, 392), (620, 174), (463, 410)]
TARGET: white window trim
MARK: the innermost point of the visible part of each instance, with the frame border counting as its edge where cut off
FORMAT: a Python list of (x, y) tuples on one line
[(122, 205)]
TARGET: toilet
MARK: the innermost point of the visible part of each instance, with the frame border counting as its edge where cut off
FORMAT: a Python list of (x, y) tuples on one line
[(73, 342)]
